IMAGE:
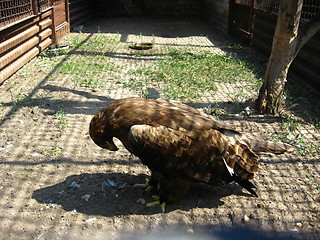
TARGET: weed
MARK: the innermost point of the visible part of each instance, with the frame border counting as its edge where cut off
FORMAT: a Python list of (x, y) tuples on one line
[(76, 41), (311, 178), (290, 124), (215, 110), (292, 136), (61, 116), (297, 97), (137, 84), (99, 42), (52, 152)]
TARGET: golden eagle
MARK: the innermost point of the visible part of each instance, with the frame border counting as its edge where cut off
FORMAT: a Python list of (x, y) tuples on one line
[(179, 144)]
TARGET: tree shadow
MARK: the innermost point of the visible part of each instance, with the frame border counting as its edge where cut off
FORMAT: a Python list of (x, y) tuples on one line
[(114, 194)]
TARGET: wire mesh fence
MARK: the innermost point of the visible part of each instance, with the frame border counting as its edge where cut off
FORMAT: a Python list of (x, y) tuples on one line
[(309, 9), (270, 6), (43, 4), (12, 11)]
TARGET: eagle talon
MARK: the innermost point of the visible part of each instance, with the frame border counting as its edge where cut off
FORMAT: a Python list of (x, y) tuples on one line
[(147, 187), (143, 185), (151, 204), (155, 197), (157, 202)]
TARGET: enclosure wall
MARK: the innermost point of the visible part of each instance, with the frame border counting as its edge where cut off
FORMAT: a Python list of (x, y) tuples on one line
[(216, 13), (111, 8), (27, 27), (81, 11), (23, 41)]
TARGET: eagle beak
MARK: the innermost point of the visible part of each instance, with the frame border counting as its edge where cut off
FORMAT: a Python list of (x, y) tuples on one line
[(110, 146)]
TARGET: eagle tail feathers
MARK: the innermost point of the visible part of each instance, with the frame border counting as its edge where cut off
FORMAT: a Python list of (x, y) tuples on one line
[(262, 145)]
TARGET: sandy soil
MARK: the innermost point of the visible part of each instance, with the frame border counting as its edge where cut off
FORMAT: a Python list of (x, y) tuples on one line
[(56, 184)]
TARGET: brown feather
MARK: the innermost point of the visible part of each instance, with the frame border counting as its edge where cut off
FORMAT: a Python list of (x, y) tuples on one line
[(262, 145), (178, 143)]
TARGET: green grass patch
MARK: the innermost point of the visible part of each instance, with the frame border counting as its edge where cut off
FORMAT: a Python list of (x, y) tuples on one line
[(186, 75), (84, 57), (88, 70), (95, 42), (299, 98)]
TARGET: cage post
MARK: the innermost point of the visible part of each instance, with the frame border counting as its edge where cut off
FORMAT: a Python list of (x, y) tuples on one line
[(34, 7)]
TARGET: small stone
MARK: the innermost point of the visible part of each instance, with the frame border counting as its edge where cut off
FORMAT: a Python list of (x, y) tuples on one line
[(248, 111), (246, 218), (190, 230), (86, 197), (74, 185), (299, 224), (90, 219), (108, 183)]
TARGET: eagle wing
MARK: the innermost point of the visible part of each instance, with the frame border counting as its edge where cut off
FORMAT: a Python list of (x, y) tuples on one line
[(207, 156)]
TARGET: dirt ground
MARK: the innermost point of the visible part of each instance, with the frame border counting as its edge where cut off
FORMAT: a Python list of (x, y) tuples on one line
[(55, 183)]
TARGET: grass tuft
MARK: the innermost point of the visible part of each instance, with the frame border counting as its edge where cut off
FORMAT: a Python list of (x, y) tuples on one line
[(62, 121)]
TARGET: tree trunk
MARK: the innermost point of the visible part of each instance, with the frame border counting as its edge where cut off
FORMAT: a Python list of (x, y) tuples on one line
[(284, 49)]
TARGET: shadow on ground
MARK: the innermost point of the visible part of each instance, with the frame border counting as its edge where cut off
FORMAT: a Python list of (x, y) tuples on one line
[(112, 194)]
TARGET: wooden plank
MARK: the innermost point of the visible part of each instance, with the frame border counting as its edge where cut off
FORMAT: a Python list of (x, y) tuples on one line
[(61, 31), (19, 38), (59, 14), (14, 66), (26, 46)]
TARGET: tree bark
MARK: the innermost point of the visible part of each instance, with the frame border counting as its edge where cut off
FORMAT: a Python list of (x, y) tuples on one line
[(284, 49)]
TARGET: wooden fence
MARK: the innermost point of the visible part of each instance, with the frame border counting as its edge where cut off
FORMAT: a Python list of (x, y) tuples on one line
[(27, 27)]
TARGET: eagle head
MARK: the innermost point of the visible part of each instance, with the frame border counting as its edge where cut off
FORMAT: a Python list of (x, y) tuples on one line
[(99, 135)]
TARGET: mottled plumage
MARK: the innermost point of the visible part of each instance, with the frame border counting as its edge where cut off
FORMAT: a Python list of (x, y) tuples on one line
[(179, 144)]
